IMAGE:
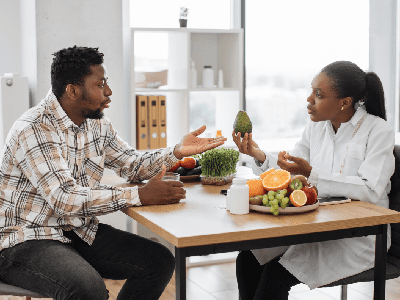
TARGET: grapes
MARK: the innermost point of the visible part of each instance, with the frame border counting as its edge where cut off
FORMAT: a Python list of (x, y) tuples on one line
[(274, 200), (265, 200)]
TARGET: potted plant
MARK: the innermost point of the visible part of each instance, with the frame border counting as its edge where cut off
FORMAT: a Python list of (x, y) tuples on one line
[(218, 166)]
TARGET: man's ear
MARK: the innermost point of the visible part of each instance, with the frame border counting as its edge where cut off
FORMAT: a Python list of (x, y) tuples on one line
[(73, 91)]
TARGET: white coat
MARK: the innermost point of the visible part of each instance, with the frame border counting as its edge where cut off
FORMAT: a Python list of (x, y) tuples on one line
[(367, 168)]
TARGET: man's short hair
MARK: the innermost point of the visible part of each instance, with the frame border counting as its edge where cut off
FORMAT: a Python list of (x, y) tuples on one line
[(71, 66)]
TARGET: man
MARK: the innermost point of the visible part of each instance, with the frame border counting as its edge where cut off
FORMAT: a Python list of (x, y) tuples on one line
[(51, 167)]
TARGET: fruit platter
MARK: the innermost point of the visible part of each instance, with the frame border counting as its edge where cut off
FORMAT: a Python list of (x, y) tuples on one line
[(277, 192), (287, 210)]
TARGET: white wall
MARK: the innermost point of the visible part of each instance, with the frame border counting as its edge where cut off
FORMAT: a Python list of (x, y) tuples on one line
[(10, 38), (61, 24), (31, 30), (383, 52)]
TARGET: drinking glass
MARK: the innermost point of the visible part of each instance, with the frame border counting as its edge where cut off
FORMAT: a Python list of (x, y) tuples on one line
[(171, 176)]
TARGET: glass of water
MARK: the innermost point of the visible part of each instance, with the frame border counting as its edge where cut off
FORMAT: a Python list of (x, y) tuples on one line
[(171, 176)]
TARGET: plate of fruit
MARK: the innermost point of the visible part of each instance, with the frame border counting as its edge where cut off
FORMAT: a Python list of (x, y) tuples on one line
[(277, 192), (188, 168)]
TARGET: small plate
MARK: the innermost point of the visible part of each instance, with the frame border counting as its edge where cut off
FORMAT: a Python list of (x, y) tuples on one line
[(287, 210), (190, 178)]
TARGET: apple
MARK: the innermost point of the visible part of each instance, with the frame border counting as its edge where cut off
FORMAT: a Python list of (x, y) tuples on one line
[(311, 194)]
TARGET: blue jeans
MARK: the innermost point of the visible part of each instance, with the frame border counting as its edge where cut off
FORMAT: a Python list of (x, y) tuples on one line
[(76, 270)]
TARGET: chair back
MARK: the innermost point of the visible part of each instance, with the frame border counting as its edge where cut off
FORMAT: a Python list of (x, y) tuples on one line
[(394, 203)]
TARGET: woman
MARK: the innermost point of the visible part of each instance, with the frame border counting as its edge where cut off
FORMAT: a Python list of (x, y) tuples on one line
[(347, 150)]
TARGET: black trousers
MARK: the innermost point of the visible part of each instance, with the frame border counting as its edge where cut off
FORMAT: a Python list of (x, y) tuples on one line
[(262, 282), (75, 271)]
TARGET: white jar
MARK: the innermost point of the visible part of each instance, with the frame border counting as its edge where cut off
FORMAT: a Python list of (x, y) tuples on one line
[(239, 197), (220, 79), (193, 76), (228, 199), (208, 77)]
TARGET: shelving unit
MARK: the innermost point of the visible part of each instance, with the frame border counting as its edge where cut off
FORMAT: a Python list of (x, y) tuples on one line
[(222, 49)]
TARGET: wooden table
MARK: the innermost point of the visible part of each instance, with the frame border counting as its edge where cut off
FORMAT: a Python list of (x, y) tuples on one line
[(199, 226)]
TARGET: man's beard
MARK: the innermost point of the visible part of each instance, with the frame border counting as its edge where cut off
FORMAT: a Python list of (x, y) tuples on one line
[(94, 114), (91, 114)]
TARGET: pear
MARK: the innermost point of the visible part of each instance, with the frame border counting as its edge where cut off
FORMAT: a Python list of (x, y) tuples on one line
[(242, 123)]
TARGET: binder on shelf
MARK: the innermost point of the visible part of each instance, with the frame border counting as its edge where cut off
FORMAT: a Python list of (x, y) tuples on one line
[(141, 123), (162, 113), (153, 107)]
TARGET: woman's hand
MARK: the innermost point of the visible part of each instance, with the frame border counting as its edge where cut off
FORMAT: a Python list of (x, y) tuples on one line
[(248, 146), (299, 166)]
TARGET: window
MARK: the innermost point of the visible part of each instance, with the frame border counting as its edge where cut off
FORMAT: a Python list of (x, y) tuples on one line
[(287, 43)]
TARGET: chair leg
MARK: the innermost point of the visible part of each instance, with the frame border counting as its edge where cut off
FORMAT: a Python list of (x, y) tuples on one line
[(343, 292)]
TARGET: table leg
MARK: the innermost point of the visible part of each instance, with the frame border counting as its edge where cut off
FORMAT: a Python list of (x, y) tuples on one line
[(380, 263), (180, 273)]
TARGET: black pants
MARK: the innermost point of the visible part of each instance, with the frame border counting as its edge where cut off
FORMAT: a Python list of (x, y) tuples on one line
[(75, 271), (262, 282)]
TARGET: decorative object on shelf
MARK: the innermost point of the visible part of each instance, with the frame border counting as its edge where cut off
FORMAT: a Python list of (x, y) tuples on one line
[(219, 133), (193, 75), (151, 79), (218, 166), (183, 17), (208, 77), (220, 79)]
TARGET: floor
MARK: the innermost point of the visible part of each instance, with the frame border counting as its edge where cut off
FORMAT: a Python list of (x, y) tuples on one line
[(218, 282)]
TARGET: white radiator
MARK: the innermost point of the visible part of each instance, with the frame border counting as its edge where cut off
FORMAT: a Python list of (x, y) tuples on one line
[(14, 101)]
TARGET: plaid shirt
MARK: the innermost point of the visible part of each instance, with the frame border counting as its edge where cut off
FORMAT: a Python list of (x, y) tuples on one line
[(51, 170)]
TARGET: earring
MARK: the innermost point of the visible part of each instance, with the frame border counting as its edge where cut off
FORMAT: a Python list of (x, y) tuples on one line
[(342, 108)]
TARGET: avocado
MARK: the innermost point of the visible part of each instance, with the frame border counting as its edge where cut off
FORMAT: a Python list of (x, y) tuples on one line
[(195, 171), (181, 171), (242, 123)]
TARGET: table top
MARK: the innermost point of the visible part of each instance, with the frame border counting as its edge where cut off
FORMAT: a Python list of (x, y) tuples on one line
[(200, 220)]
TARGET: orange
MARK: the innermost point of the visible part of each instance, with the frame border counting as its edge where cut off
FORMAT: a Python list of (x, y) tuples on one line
[(262, 175), (188, 162), (298, 198), (255, 187), (276, 180)]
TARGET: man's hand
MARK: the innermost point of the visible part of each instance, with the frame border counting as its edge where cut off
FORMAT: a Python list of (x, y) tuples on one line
[(157, 191), (191, 144), (299, 166), (248, 146)]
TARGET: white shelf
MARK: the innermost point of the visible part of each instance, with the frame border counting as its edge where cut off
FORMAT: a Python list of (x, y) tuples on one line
[(195, 30), (212, 89), (150, 90), (222, 49)]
